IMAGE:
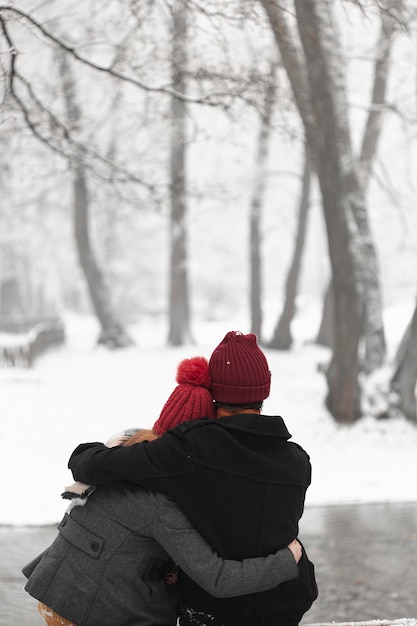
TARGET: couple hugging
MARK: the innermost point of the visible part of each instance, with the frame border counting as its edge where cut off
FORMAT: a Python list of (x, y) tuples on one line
[(193, 522)]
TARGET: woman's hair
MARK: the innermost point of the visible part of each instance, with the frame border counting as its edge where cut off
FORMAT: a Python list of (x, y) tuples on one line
[(143, 434)]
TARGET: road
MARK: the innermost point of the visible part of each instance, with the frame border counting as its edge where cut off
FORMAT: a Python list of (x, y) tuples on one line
[(365, 558)]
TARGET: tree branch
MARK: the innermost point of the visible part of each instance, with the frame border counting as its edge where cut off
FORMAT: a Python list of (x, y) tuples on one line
[(59, 138), (60, 135), (109, 69), (12, 51)]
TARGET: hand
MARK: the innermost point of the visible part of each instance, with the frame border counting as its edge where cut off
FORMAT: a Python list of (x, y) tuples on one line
[(118, 439), (296, 549)]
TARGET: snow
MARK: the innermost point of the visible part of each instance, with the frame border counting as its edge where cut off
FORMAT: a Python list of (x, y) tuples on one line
[(384, 622), (80, 392)]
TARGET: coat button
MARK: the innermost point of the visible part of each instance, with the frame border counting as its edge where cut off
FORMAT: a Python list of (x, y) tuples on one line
[(94, 546)]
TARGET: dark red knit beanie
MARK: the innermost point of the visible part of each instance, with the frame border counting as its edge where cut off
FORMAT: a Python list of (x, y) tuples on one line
[(239, 370), (191, 399)]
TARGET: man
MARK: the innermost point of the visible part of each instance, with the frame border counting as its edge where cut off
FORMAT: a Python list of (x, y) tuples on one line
[(238, 478)]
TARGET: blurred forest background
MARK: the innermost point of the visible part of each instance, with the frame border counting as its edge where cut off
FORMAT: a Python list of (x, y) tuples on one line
[(190, 159)]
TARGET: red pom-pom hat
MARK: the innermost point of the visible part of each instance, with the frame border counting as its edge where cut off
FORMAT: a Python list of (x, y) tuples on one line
[(191, 399)]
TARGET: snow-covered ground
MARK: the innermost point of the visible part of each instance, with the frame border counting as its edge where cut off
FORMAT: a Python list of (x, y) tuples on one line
[(79, 392)]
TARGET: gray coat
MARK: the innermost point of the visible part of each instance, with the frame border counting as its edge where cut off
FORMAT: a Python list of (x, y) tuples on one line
[(104, 567)]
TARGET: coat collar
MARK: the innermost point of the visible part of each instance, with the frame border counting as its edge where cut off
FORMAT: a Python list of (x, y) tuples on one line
[(266, 425)]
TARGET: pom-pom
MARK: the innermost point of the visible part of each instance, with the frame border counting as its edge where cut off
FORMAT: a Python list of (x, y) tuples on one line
[(194, 371)]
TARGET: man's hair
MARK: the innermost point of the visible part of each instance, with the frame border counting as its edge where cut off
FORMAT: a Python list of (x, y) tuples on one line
[(238, 408)]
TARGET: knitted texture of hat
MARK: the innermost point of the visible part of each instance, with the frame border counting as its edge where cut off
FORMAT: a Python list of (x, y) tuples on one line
[(191, 399), (239, 370)]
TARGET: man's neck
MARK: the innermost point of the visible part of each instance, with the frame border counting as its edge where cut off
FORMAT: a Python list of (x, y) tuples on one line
[(222, 412)]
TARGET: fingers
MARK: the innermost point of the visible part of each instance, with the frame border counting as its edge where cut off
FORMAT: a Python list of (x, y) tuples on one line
[(296, 549), (116, 440)]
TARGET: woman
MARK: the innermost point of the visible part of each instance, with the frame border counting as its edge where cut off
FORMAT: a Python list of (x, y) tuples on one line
[(112, 561)]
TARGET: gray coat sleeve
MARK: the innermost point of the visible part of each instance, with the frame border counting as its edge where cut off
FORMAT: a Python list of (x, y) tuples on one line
[(220, 577)]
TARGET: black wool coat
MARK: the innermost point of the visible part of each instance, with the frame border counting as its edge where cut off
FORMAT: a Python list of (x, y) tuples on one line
[(242, 484)]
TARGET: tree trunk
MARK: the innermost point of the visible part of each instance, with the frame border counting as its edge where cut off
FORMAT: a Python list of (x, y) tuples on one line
[(404, 379), (112, 332), (179, 316), (325, 336), (282, 338), (319, 91), (256, 206), (375, 345), (373, 126), (342, 199)]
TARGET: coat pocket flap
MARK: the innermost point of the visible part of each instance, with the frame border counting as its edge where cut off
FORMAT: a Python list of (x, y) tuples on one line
[(80, 537)]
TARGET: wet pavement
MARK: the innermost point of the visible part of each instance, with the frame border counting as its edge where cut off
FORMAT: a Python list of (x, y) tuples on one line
[(366, 561), (365, 558)]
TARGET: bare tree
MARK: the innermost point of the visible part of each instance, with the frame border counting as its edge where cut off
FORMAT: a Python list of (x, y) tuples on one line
[(210, 87), (318, 84), (112, 332), (257, 201), (46, 125), (404, 379), (179, 314), (282, 338), (375, 346), (325, 335)]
